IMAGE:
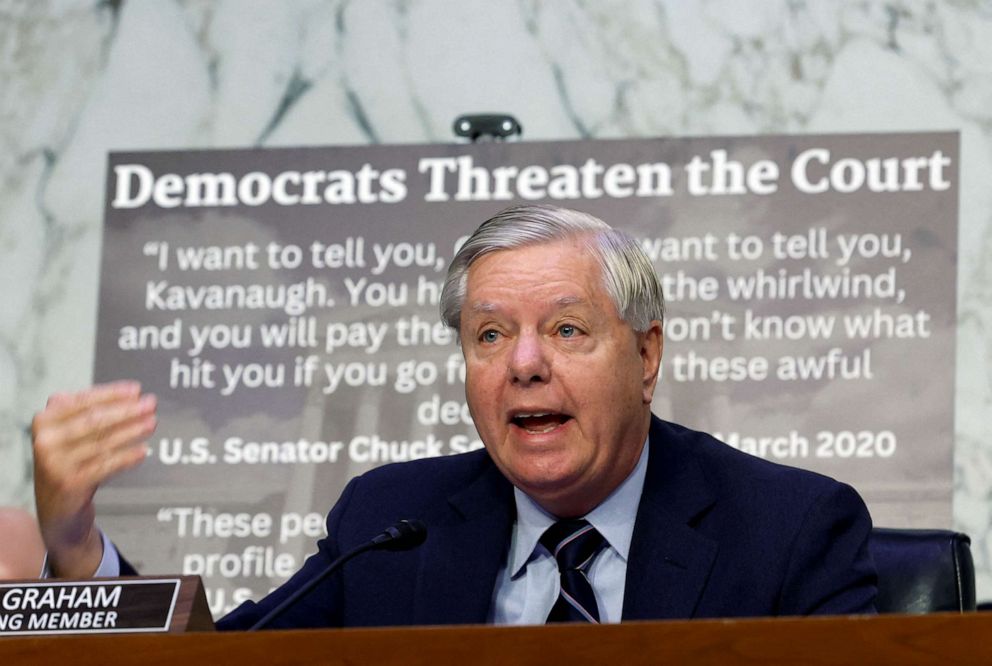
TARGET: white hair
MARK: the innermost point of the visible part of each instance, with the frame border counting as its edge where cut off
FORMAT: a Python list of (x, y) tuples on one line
[(628, 276)]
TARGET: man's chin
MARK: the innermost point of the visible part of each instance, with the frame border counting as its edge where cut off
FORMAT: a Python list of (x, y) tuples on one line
[(551, 490)]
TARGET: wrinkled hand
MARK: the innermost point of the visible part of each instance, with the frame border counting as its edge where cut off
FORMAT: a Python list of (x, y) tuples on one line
[(80, 440)]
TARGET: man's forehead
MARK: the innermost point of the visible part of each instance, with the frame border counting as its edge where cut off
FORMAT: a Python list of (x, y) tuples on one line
[(566, 254), (549, 276), (490, 307)]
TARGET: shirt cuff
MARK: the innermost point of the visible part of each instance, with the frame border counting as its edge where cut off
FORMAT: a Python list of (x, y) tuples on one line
[(110, 564)]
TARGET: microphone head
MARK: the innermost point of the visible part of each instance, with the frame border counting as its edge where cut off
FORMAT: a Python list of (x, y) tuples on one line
[(404, 535)]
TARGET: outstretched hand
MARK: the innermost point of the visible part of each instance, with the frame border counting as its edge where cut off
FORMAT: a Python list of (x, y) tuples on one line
[(80, 440)]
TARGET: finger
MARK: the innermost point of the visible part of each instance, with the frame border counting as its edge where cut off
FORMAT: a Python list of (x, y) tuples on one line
[(86, 478), (122, 459), (62, 491), (71, 459), (61, 405), (65, 423), (88, 429), (82, 467), (67, 467), (124, 436)]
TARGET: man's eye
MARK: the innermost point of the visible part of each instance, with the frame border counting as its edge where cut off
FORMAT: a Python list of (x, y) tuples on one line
[(489, 336), (567, 331)]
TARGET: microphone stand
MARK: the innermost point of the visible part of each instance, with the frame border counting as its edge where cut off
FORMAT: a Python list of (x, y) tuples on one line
[(312, 583), (401, 536)]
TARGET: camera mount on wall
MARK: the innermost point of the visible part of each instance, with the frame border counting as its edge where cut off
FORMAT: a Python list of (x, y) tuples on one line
[(482, 127)]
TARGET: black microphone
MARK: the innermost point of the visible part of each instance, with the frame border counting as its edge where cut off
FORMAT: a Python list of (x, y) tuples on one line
[(404, 535)]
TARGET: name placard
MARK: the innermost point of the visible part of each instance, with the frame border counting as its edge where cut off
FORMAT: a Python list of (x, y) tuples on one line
[(120, 605)]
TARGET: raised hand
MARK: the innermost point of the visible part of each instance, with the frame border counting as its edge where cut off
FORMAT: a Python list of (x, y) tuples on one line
[(80, 440)]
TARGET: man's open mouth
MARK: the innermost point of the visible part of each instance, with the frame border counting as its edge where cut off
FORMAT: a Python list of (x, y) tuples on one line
[(539, 422)]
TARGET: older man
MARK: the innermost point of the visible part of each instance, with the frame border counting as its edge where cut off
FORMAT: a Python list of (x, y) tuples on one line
[(21, 549), (582, 507)]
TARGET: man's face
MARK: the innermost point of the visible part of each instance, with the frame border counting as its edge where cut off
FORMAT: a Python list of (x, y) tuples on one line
[(558, 385)]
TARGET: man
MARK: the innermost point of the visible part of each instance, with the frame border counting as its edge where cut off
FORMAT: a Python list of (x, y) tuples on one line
[(582, 506), (21, 549)]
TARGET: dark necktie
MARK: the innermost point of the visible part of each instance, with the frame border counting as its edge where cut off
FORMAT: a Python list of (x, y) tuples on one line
[(574, 544)]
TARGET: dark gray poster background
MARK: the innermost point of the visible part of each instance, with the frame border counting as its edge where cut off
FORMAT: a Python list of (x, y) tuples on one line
[(188, 510)]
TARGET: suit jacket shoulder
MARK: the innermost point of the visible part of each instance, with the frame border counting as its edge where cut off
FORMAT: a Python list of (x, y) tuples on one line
[(728, 534)]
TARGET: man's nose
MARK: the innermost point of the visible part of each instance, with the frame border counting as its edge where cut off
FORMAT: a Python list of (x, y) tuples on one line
[(528, 360)]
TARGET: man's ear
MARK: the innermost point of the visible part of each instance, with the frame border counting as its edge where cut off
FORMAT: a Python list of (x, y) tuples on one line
[(652, 343)]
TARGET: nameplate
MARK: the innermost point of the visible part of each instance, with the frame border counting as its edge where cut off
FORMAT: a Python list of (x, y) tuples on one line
[(138, 605)]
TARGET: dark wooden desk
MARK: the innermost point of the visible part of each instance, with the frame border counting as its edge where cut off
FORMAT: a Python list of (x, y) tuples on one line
[(896, 640)]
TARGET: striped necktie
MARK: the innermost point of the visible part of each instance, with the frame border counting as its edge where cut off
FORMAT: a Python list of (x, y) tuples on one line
[(574, 544)]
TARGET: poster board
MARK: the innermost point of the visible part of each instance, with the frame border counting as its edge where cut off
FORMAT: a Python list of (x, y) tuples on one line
[(282, 304)]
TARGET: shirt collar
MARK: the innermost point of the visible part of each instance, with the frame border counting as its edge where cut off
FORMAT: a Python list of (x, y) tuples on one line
[(614, 518)]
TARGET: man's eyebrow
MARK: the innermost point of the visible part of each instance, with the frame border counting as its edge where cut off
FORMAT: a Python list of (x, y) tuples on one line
[(569, 300), (484, 307)]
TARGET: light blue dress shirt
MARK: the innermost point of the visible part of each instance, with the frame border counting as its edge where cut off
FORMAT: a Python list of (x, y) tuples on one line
[(110, 565), (528, 584)]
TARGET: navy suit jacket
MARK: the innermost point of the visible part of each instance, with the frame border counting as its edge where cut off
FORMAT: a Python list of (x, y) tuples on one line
[(718, 533)]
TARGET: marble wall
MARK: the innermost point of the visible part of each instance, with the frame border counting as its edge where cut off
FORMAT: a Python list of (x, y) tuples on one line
[(81, 78)]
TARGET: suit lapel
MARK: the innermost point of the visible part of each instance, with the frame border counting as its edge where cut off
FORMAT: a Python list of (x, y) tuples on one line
[(669, 560), (463, 553)]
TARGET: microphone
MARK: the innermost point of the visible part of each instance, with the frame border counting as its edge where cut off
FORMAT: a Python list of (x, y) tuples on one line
[(404, 535)]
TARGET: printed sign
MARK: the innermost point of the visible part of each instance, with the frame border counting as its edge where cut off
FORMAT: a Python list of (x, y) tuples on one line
[(99, 607), (282, 303)]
